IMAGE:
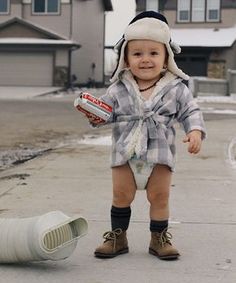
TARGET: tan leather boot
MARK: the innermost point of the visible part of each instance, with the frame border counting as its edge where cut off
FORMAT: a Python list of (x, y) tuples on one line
[(115, 244), (161, 246)]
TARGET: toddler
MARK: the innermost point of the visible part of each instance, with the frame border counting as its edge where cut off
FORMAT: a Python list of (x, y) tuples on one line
[(147, 96)]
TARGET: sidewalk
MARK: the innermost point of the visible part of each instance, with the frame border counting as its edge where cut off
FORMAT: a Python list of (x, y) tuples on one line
[(76, 180), (18, 92)]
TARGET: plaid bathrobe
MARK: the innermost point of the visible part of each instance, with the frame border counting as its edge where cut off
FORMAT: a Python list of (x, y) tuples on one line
[(145, 128)]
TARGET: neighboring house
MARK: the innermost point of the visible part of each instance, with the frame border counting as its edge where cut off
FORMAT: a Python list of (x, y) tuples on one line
[(48, 42), (205, 30)]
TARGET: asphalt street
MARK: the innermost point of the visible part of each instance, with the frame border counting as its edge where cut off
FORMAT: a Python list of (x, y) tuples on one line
[(75, 178)]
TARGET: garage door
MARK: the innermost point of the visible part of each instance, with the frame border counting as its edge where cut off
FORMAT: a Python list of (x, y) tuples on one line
[(26, 69), (193, 66)]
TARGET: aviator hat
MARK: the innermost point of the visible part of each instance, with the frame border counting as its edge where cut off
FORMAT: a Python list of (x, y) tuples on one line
[(148, 25)]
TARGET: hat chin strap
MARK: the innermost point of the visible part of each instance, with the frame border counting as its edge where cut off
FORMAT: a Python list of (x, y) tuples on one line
[(175, 47), (121, 63)]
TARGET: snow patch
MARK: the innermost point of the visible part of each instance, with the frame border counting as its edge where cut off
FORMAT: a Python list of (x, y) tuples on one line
[(216, 99), (204, 36), (17, 156), (96, 140), (218, 111)]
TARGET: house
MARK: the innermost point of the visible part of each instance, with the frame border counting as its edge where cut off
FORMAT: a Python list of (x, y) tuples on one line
[(205, 30), (49, 42)]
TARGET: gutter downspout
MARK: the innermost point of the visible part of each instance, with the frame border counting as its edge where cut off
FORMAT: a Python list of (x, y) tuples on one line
[(69, 79)]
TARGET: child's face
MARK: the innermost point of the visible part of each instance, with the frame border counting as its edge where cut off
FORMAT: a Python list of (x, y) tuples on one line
[(146, 59)]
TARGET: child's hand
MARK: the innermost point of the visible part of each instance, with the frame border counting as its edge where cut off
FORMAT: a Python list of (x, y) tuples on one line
[(195, 141), (94, 119)]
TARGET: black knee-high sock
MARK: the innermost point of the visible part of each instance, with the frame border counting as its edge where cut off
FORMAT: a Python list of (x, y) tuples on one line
[(158, 226), (120, 217)]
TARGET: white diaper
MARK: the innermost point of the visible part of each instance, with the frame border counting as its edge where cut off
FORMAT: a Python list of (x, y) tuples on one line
[(142, 171)]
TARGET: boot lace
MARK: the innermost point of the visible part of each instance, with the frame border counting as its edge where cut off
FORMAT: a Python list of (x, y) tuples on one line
[(164, 238), (112, 236)]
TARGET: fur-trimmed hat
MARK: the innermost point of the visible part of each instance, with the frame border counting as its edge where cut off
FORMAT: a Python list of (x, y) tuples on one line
[(148, 25)]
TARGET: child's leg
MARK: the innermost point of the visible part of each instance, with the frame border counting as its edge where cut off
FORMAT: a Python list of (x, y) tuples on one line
[(124, 189), (158, 190)]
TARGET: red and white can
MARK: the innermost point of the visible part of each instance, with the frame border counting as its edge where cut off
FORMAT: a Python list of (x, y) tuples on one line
[(89, 104)]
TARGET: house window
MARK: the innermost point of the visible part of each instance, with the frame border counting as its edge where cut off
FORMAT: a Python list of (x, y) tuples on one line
[(152, 5), (198, 11), (184, 11), (213, 8), (4, 6), (46, 6)]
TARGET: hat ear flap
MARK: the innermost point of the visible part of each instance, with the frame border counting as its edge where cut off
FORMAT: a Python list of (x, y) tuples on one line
[(119, 44), (172, 64), (120, 61), (175, 47)]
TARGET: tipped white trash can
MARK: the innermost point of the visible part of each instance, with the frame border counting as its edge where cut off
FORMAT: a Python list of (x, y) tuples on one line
[(52, 236)]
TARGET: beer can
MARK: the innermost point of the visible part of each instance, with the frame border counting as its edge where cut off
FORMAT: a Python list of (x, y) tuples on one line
[(89, 104)]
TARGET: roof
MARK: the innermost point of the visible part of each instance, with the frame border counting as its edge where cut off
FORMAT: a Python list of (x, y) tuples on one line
[(31, 25), (36, 41), (218, 37), (53, 39)]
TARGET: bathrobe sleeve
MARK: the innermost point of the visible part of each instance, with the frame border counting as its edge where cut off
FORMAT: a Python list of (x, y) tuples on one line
[(108, 98), (189, 113)]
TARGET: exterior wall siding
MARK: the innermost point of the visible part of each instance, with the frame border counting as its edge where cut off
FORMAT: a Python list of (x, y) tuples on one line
[(59, 24), (88, 61), (15, 10), (227, 20), (172, 4), (20, 31), (228, 14)]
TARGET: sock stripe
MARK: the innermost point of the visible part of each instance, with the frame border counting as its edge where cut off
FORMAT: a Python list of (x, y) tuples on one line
[(120, 217), (158, 226)]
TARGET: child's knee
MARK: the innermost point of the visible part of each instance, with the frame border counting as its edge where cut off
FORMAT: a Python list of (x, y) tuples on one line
[(158, 198), (122, 198)]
